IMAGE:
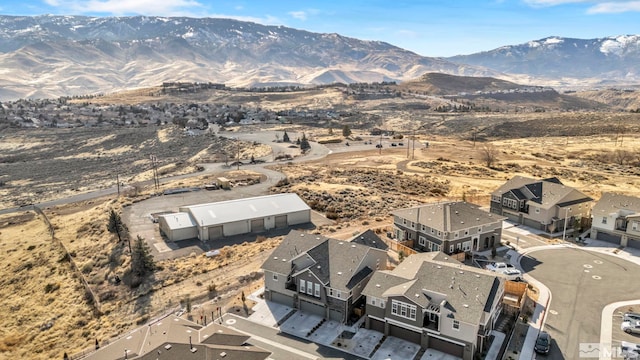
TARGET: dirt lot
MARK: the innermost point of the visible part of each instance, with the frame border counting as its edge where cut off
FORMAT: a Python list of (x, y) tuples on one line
[(357, 188)]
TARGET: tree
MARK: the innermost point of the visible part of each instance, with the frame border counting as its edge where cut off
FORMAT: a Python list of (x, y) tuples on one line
[(304, 143), (116, 226), (622, 156), (141, 259), (346, 131), (285, 137), (489, 154)]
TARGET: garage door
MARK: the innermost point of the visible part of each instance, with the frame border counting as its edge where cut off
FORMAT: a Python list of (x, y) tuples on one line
[(404, 334), (281, 221), (336, 315), (609, 238), (446, 347), (633, 243), (215, 232), (376, 325), (257, 225), (532, 224), (282, 299), (311, 308), (512, 217)]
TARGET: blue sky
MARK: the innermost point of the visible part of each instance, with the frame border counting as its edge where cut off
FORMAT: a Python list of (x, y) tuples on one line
[(428, 27)]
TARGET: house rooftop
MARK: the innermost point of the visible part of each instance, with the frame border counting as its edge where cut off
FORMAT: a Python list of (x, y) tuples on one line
[(449, 216), (425, 281), (333, 262), (611, 203), (174, 338), (548, 192)]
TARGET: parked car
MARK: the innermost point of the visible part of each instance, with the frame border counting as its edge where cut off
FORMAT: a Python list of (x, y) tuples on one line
[(629, 316), (629, 350), (394, 144), (507, 270), (379, 146), (543, 343), (630, 327)]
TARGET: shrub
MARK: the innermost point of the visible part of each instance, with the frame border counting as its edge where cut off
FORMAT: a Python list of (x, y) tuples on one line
[(51, 287)]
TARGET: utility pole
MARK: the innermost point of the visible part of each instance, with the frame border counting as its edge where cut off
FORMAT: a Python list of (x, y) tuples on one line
[(118, 182), (154, 163), (238, 156)]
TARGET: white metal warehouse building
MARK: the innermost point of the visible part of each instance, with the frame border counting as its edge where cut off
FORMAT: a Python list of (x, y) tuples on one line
[(178, 226), (226, 218)]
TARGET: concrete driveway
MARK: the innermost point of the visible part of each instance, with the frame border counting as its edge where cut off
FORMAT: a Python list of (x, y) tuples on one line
[(581, 283)]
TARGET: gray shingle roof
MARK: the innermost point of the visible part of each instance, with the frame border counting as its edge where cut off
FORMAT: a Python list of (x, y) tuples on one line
[(546, 192), (371, 239), (423, 280), (450, 216), (611, 203), (294, 244), (336, 262)]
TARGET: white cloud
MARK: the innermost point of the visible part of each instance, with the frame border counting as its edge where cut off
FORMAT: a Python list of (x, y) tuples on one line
[(300, 15), (124, 7), (407, 33), (187, 8), (615, 7)]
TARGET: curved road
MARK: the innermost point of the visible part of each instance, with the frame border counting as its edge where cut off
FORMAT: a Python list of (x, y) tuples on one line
[(583, 283), (317, 151)]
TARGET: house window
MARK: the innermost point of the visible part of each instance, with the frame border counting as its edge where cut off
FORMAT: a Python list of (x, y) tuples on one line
[(466, 246), (413, 225), (432, 231), (404, 221), (275, 277), (604, 220), (455, 234), (634, 226), (456, 325), (404, 310), (302, 286), (466, 232), (423, 228), (422, 241), (309, 288), (317, 292), (480, 229), (373, 301), (537, 210), (451, 248)]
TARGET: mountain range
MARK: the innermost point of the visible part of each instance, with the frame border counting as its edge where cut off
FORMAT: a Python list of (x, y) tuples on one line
[(50, 56)]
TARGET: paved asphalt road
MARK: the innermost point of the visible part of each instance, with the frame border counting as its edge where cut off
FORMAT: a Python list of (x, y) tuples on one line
[(581, 284), (283, 346)]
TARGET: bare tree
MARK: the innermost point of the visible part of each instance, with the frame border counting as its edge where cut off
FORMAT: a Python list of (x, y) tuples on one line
[(622, 156), (489, 154)]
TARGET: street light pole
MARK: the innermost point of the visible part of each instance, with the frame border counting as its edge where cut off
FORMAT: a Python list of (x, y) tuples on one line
[(566, 214)]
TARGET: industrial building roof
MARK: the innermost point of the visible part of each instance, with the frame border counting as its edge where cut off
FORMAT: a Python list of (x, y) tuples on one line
[(176, 221), (244, 209)]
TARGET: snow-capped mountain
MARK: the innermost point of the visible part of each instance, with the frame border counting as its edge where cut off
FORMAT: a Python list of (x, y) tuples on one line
[(610, 59), (48, 56)]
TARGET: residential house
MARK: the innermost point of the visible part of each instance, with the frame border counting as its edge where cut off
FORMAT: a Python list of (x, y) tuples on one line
[(545, 204), (616, 219), (320, 275), (450, 227), (177, 338), (437, 302)]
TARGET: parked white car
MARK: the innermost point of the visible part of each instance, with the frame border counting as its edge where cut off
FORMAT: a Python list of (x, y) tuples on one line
[(630, 327), (629, 350), (629, 316), (508, 270)]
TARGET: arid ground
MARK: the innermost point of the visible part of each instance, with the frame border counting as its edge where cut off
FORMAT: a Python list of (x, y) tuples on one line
[(46, 310)]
